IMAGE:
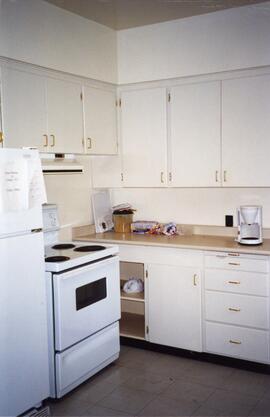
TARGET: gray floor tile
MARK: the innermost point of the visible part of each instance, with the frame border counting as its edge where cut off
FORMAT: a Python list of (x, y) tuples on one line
[(228, 403), (170, 366), (128, 400), (97, 411), (92, 392), (205, 411), (116, 375), (185, 390), (68, 407), (139, 359), (148, 382), (247, 383), (262, 408), (208, 374), (163, 406)]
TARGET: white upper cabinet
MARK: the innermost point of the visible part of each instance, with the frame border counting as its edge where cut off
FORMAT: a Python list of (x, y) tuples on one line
[(245, 131), (65, 116), (23, 109), (100, 121), (195, 151), (144, 137)]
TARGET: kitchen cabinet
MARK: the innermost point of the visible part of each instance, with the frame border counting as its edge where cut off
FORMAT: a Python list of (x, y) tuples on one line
[(245, 131), (65, 116), (195, 143), (237, 306), (144, 137), (174, 306), (23, 109), (100, 121)]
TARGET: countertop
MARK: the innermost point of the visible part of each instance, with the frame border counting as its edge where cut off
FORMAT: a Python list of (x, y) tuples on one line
[(199, 242)]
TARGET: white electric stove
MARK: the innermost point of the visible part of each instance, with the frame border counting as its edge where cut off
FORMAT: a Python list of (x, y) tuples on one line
[(83, 288)]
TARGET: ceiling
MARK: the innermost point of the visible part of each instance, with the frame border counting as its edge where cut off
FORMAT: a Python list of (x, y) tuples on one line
[(123, 14)]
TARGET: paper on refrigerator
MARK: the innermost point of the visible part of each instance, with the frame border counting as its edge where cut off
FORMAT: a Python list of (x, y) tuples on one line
[(13, 185), (36, 187)]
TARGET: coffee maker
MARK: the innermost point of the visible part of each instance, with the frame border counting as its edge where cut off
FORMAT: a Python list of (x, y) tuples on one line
[(249, 225)]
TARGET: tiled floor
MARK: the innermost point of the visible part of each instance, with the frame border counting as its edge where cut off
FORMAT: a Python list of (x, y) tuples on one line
[(144, 383)]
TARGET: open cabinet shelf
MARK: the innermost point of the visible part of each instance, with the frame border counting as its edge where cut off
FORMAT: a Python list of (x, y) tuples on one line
[(132, 325)]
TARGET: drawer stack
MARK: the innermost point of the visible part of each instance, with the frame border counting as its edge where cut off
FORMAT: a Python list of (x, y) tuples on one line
[(237, 305)]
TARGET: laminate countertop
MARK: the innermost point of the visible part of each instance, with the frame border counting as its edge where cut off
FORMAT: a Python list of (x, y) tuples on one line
[(199, 242)]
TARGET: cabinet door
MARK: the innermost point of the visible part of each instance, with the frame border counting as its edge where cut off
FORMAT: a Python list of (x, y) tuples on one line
[(245, 131), (144, 132), (24, 109), (195, 135), (65, 116), (174, 306), (100, 121)]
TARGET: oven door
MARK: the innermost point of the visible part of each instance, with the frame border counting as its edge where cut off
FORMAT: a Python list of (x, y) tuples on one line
[(86, 300)]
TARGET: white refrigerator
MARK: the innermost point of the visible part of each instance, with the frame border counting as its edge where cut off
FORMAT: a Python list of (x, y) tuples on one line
[(24, 369)]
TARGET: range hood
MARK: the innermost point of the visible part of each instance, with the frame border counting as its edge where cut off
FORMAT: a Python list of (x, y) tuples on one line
[(60, 164)]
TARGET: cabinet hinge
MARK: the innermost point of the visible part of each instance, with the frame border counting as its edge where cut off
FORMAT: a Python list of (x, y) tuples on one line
[(120, 102), (146, 274), (147, 329), (81, 96), (82, 141), (116, 103), (122, 176), (169, 97)]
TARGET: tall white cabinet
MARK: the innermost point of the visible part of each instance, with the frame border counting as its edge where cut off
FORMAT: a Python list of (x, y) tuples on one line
[(245, 131), (100, 121), (144, 137), (174, 309), (24, 109), (195, 152)]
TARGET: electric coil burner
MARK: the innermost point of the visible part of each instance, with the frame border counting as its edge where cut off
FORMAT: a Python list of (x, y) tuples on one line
[(56, 258), (63, 246), (89, 248)]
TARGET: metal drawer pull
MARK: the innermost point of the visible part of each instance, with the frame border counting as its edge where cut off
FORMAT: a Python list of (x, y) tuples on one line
[(233, 254), (234, 263), (89, 143), (234, 309), (162, 177), (225, 176), (53, 140), (194, 280), (46, 141), (235, 342), (234, 282)]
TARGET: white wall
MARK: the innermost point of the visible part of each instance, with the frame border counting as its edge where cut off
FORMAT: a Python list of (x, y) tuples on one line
[(39, 33), (192, 206), (220, 41), (72, 193)]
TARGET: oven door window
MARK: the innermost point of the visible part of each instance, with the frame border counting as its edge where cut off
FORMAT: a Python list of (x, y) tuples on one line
[(91, 293)]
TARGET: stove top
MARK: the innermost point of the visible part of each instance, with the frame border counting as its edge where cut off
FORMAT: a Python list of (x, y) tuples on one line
[(61, 256)]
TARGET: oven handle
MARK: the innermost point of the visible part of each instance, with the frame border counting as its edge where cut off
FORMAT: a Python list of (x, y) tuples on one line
[(86, 268)]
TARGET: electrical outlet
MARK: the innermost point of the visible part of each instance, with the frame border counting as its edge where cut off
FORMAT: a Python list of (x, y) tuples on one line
[(228, 220)]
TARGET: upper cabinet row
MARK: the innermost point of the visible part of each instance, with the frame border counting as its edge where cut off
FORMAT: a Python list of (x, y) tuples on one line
[(203, 134), (57, 116)]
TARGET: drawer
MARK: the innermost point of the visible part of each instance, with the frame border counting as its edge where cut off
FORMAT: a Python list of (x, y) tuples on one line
[(252, 283), (237, 263), (237, 309), (237, 342)]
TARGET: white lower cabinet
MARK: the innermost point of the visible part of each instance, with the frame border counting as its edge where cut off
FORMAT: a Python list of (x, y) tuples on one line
[(236, 306), (174, 306)]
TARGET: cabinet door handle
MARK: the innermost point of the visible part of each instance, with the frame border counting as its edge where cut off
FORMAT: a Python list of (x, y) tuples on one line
[(234, 263), (234, 309), (46, 141), (53, 140), (195, 280), (235, 342), (225, 176), (216, 176), (234, 254), (234, 282), (1, 137), (162, 177), (89, 143)]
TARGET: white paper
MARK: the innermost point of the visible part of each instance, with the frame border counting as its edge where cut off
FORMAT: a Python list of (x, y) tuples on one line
[(13, 185), (36, 187)]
